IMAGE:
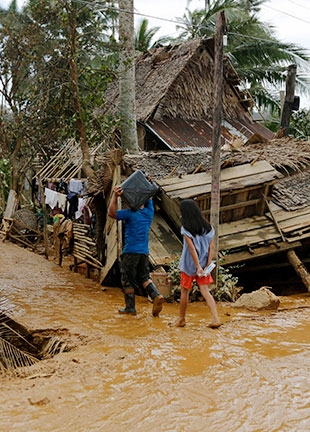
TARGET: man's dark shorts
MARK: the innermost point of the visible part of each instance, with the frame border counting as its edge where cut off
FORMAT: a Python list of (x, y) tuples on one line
[(135, 270)]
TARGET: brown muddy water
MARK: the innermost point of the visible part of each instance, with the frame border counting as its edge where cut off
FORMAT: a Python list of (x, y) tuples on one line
[(138, 374)]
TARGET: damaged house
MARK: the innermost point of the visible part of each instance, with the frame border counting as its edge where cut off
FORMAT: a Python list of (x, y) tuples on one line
[(174, 98)]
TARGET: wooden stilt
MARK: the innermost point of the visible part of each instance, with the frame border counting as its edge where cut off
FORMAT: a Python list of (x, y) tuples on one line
[(88, 268), (299, 268), (45, 234)]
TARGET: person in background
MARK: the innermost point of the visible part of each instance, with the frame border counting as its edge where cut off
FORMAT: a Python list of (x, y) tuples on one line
[(134, 260), (196, 255)]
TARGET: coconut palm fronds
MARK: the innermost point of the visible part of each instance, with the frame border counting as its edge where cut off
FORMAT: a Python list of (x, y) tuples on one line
[(54, 346), (5, 308), (13, 359)]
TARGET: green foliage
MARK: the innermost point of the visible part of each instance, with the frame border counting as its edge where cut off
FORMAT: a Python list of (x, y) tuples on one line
[(256, 53), (227, 284), (5, 175), (35, 81), (300, 125)]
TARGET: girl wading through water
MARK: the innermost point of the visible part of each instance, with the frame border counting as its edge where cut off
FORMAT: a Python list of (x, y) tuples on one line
[(197, 254)]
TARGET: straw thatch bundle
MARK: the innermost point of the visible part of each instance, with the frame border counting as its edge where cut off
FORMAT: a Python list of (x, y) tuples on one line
[(285, 154), (293, 192), (104, 175)]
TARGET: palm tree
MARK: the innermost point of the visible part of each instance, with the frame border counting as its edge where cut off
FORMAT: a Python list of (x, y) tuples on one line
[(145, 35), (261, 59), (258, 56)]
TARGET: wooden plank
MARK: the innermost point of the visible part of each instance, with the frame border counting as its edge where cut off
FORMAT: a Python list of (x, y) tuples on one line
[(113, 232), (225, 186), (163, 243), (295, 223), (250, 238), (298, 237), (171, 208), (111, 240), (78, 256), (244, 225), (239, 212), (11, 204), (239, 171), (259, 252), (286, 215), (236, 206)]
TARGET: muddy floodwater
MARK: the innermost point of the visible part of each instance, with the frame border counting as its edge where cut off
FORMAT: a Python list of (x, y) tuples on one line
[(139, 374)]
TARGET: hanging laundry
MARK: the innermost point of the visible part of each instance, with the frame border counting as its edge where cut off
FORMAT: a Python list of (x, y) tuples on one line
[(81, 205), (61, 198), (75, 186), (50, 198), (72, 200)]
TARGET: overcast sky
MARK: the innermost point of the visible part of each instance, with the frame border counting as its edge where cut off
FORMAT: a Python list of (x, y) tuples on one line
[(291, 18)]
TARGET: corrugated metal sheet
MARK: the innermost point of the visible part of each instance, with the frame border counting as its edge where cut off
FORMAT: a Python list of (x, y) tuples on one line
[(188, 135)]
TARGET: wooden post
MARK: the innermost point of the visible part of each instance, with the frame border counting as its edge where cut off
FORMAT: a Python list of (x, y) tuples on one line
[(216, 138), (299, 268), (289, 99), (45, 235)]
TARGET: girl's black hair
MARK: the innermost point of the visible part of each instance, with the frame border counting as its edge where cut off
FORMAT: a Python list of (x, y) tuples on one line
[(192, 218)]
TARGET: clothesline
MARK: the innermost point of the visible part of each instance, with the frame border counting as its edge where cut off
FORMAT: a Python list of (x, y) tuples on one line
[(53, 199)]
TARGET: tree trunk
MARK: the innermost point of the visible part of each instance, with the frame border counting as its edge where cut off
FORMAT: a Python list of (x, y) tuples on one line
[(289, 99), (127, 80), (76, 95), (100, 204)]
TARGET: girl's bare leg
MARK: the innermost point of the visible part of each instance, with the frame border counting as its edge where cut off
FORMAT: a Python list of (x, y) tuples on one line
[(183, 307), (215, 322)]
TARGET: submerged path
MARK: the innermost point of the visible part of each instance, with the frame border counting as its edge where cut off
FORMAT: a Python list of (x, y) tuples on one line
[(138, 374)]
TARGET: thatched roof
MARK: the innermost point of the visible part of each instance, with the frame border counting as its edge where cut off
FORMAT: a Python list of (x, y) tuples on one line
[(284, 154), (177, 81), (293, 192)]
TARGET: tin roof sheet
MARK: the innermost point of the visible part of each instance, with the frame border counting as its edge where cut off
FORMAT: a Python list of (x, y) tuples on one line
[(186, 135)]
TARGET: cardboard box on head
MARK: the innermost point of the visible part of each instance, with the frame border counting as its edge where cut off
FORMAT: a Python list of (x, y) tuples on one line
[(137, 190)]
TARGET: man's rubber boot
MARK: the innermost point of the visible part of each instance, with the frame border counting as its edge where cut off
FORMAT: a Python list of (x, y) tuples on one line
[(130, 308), (157, 298)]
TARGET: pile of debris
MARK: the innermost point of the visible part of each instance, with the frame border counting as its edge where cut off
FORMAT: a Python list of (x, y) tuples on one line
[(293, 192)]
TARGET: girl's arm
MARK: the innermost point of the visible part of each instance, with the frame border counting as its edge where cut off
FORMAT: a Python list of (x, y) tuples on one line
[(193, 253), (210, 253)]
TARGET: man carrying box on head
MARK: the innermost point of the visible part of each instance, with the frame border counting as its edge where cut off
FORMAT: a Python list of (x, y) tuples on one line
[(134, 260)]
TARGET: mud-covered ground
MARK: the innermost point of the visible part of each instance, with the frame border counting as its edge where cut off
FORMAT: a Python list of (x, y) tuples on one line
[(139, 374)]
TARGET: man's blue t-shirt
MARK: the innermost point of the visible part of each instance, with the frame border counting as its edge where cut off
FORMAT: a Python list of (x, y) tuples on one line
[(137, 226)]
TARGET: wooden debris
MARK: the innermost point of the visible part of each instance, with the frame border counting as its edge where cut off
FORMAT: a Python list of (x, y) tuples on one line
[(84, 246), (299, 268)]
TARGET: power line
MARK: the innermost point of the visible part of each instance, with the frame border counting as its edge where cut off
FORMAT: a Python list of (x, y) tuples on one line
[(179, 23), (298, 4), (288, 14)]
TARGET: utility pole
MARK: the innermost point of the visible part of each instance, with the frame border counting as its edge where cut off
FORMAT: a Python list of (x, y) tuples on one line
[(127, 78), (289, 98), (216, 138)]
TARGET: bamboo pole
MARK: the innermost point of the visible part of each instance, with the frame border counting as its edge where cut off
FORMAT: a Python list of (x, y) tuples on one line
[(275, 220), (299, 268), (45, 234)]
